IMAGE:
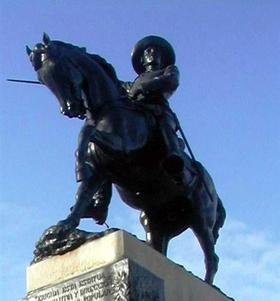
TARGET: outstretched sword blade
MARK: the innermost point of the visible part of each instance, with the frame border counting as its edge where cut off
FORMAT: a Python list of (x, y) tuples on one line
[(24, 81)]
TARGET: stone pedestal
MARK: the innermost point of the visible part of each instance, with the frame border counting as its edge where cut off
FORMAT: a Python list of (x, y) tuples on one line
[(117, 267)]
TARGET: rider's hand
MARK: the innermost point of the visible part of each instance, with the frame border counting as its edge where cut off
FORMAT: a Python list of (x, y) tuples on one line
[(134, 92)]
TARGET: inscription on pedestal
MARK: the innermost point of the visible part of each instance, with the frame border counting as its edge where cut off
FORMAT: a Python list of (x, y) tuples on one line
[(122, 281)]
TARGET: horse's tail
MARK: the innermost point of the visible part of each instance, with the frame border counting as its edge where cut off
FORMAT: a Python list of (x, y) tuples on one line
[(220, 219)]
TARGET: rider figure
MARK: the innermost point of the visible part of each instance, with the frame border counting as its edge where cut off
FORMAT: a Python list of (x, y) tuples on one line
[(153, 59)]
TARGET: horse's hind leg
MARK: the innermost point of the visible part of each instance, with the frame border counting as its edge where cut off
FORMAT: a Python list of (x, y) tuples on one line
[(220, 219), (207, 242), (154, 235)]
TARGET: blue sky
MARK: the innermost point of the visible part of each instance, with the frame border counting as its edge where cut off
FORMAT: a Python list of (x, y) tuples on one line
[(228, 54)]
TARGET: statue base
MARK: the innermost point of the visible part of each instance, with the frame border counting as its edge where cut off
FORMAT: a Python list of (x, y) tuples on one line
[(116, 267)]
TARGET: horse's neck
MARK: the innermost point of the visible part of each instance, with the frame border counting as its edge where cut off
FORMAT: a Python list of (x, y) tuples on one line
[(102, 90)]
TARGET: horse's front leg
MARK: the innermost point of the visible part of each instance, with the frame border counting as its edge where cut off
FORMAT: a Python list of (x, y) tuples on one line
[(57, 239), (84, 196)]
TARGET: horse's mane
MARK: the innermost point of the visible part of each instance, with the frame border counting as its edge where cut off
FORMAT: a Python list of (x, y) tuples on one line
[(108, 68)]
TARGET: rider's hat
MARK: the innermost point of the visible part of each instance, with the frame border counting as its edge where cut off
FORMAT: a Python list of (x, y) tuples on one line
[(167, 52)]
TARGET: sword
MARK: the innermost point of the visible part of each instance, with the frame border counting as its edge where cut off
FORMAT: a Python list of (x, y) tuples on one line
[(24, 81)]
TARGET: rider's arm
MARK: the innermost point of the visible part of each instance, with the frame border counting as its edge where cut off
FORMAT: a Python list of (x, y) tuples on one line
[(166, 82)]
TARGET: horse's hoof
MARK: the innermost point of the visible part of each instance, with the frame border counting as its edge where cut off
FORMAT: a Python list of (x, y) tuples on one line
[(67, 225)]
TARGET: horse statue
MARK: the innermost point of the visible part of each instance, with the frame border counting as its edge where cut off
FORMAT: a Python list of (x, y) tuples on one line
[(125, 150)]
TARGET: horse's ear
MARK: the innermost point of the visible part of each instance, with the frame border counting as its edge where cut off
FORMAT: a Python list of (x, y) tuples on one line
[(46, 39), (28, 50)]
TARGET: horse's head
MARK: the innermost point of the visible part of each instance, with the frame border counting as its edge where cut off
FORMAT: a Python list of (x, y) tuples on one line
[(55, 69)]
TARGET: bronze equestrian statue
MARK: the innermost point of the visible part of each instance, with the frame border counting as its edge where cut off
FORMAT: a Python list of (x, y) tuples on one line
[(129, 140)]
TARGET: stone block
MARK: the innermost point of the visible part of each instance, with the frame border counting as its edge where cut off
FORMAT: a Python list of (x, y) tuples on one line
[(116, 267)]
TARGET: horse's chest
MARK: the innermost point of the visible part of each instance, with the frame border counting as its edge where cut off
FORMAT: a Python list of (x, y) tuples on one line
[(122, 131)]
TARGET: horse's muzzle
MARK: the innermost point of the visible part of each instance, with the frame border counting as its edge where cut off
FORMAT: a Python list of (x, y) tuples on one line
[(73, 110)]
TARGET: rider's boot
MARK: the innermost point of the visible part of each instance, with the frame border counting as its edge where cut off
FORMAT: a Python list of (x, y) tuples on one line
[(173, 162), (101, 201), (173, 165), (98, 206)]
